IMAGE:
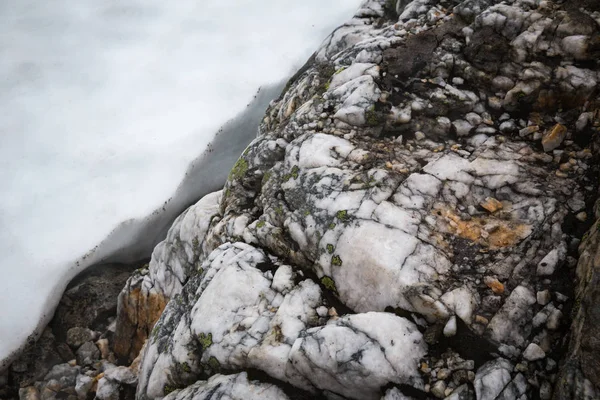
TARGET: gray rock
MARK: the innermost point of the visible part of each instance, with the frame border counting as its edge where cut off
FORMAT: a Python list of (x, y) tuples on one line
[(65, 374), (87, 354), (533, 352), (77, 336)]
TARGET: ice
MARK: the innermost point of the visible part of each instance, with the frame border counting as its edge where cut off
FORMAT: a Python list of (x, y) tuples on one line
[(105, 105)]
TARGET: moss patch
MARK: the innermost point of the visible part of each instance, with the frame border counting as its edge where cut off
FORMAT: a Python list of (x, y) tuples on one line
[(336, 260), (329, 283), (239, 169), (205, 340), (330, 248), (342, 215)]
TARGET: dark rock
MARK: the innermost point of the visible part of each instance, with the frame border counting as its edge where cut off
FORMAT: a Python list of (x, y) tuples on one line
[(65, 374), (91, 299), (87, 354), (78, 336)]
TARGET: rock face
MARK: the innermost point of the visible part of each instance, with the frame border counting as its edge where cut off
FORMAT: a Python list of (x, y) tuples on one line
[(405, 225), (147, 292)]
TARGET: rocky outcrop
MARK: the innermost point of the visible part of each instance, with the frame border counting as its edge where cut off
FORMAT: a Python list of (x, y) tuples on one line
[(149, 289), (405, 225), (580, 376)]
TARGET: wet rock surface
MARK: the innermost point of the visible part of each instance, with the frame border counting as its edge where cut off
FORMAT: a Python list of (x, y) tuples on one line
[(407, 225)]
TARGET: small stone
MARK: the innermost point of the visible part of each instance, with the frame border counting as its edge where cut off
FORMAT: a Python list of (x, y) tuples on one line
[(533, 352), (481, 320), (491, 204), (582, 216), (438, 389), (83, 386), (548, 265), (462, 127), (553, 322), (443, 373), (448, 392), (529, 130), (77, 336), (554, 138), (545, 391), (473, 118), (450, 328), (103, 347), (419, 135), (29, 393), (494, 284), (521, 367), (425, 368), (543, 297), (87, 354), (561, 298)]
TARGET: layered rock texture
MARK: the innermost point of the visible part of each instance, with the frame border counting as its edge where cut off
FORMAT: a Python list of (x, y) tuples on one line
[(405, 226)]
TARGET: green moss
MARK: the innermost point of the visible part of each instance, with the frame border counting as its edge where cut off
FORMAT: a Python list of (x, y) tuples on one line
[(330, 248), (340, 70), (205, 340), (260, 224), (332, 225), (186, 367), (155, 330), (239, 169), (306, 213), (200, 271), (329, 283), (342, 215), (214, 364), (195, 244), (373, 117), (279, 210), (168, 389), (266, 177), (336, 260)]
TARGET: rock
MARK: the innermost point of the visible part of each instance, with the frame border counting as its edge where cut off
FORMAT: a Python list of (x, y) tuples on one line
[(77, 336), (533, 352), (543, 297), (554, 138), (438, 389), (462, 127), (83, 385), (87, 354), (65, 374), (332, 229), (29, 393), (548, 265), (104, 348), (490, 204), (494, 284), (90, 299), (492, 378), (235, 387), (511, 325), (450, 327), (144, 297), (107, 390)]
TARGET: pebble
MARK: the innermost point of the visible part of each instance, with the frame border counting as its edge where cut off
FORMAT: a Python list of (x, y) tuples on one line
[(553, 322), (543, 297), (438, 389), (494, 284), (533, 352), (582, 216), (491, 204), (545, 391), (419, 135), (554, 138), (450, 328)]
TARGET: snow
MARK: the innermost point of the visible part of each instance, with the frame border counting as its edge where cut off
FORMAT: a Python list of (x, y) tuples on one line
[(105, 106)]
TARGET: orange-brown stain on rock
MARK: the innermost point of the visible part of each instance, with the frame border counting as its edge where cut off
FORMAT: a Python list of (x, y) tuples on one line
[(488, 231)]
